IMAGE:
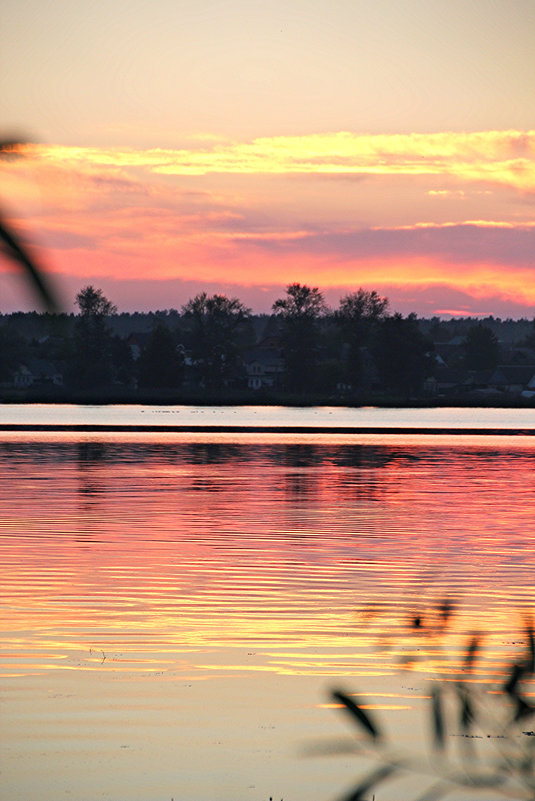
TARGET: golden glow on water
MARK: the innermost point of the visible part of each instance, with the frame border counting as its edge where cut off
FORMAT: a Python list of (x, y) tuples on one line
[(149, 579)]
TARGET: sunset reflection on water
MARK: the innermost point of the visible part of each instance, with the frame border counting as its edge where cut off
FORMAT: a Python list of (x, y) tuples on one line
[(167, 589)]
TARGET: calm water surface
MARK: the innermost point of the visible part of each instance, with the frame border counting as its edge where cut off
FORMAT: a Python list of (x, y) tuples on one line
[(176, 608)]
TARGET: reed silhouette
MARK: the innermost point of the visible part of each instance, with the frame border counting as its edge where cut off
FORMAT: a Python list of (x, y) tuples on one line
[(479, 739), (16, 250)]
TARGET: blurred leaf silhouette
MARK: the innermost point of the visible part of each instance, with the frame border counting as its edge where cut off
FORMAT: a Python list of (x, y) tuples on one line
[(485, 720), (358, 713), (15, 250)]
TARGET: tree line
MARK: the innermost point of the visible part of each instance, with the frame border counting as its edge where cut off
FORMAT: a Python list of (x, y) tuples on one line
[(208, 343)]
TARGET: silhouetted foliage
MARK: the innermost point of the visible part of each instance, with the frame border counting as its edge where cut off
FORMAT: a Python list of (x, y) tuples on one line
[(122, 360), (329, 374), (481, 348), (402, 354), (91, 361), (16, 250), (161, 364), (357, 712), (13, 350), (300, 310), (93, 304), (357, 352), (214, 325), (302, 302), (358, 316), (529, 339), (495, 751)]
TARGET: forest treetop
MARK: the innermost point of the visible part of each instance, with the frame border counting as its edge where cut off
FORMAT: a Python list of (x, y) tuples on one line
[(215, 344)]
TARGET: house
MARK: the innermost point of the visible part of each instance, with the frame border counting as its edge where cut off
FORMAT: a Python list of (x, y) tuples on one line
[(450, 353), (449, 380), (137, 342), (529, 391), (512, 378), (264, 363), (22, 377), (36, 371), (518, 355)]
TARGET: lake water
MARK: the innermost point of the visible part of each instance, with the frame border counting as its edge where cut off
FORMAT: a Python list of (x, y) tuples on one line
[(178, 607)]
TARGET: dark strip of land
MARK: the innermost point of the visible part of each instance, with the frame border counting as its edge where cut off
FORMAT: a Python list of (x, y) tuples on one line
[(226, 429)]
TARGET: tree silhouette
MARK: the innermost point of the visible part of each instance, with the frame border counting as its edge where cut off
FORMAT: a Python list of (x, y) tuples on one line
[(358, 315), (13, 348), (91, 363), (161, 364), (403, 354), (481, 348), (122, 360), (301, 302), (213, 327), (93, 304), (300, 310)]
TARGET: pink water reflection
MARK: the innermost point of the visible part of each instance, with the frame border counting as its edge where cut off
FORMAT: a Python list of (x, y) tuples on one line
[(140, 570)]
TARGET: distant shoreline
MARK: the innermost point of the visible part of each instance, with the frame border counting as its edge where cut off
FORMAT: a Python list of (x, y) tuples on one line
[(263, 429), (493, 401)]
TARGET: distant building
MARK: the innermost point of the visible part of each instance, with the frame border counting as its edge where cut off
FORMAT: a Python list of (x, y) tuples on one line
[(37, 372), (22, 377), (137, 342), (264, 363), (512, 378)]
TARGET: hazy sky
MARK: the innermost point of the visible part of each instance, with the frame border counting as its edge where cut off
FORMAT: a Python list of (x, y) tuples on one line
[(240, 146)]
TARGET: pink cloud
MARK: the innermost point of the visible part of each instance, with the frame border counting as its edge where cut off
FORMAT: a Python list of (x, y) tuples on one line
[(117, 219)]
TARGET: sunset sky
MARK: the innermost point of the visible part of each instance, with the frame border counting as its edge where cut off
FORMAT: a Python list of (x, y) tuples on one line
[(186, 145)]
